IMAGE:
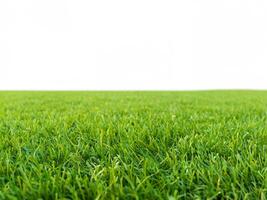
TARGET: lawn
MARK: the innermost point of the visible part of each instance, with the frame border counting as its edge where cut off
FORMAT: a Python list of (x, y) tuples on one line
[(133, 145)]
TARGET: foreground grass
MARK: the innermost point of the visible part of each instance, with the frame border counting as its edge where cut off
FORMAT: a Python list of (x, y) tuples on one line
[(133, 145)]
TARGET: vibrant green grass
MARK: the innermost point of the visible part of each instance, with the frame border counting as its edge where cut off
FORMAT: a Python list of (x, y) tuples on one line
[(133, 145)]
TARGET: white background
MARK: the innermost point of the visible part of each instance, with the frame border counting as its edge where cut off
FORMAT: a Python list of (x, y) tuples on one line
[(133, 44)]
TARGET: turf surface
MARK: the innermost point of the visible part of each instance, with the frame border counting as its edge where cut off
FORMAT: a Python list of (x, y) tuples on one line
[(133, 145)]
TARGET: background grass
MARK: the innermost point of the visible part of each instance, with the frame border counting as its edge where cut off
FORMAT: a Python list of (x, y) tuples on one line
[(133, 145)]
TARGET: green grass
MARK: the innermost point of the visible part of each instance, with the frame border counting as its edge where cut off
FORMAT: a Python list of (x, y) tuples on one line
[(133, 145)]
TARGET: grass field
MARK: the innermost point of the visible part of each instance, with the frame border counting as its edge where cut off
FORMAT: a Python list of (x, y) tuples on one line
[(133, 145)]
